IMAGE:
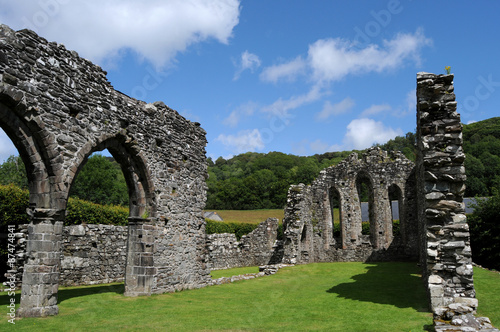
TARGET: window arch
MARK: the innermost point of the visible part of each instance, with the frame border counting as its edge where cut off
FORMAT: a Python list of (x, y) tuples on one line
[(336, 215), (365, 191), (37, 159), (135, 171), (396, 201)]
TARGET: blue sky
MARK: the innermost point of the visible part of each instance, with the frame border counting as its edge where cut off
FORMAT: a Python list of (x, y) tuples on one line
[(301, 77)]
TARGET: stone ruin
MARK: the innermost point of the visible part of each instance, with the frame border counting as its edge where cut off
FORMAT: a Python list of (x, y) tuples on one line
[(58, 108), (433, 224), (309, 219)]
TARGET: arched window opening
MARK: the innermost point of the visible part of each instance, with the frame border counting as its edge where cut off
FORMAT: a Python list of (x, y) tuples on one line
[(396, 199), (101, 181), (365, 194), (335, 210), (13, 197), (124, 172)]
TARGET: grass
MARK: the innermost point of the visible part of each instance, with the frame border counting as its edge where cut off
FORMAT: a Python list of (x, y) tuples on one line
[(315, 297), (250, 216), (256, 216), (487, 285)]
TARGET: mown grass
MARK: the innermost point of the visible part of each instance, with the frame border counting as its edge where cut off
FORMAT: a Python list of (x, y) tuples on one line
[(256, 216), (250, 216), (487, 285), (315, 297)]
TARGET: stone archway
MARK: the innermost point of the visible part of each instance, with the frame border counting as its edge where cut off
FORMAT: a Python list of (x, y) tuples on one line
[(306, 204), (58, 108)]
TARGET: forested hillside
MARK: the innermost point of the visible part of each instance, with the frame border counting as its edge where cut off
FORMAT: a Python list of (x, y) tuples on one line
[(482, 165), (260, 181)]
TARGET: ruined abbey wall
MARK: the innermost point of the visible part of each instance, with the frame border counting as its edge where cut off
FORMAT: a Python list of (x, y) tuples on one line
[(309, 224), (260, 247), (444, 232), (59, 108), (96, 254), (90, 254)]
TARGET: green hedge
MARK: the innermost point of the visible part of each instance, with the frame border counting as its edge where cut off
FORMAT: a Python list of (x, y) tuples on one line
[(14, 202), (80, 211), (239, 229)]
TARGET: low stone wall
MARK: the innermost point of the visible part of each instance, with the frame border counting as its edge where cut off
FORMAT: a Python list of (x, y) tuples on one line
[(91, 254), (96, 254), (259, 247)]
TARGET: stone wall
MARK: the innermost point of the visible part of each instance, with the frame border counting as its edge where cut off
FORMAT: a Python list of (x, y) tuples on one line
[(308, 223), (260, 247), (96, 254), (91, 254), (58, 108), (445, 244)]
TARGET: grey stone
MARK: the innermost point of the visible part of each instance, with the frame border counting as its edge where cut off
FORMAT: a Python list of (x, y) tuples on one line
[(60, 108)]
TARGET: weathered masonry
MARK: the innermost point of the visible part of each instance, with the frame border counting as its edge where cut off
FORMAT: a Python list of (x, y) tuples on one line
[(58, 108), (433, 225), (309, 217), (444, 233)]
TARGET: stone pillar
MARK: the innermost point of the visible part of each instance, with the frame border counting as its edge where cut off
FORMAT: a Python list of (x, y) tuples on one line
[(445, 244), (352, 226), (140, 270), (41, 268), (383, 214)]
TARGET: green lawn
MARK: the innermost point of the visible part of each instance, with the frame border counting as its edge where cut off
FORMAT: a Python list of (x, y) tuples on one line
[(487, 285), (315, 297)]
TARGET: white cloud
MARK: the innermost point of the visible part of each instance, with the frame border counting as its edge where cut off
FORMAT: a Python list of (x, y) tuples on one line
[(99, 30), (244, 141), (363, 133), (287, 71), (249, 61), (282, 107), (307, 148), (330, 109), (411, 103), (333, 59), (244, 110), (7, 148), (376, 109)]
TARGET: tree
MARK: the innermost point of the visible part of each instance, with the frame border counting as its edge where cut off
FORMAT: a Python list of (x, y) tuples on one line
[(485, 232), (101, 181), (12, 171)]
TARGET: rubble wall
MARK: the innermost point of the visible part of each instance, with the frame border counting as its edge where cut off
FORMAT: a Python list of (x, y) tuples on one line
[(309, 234), (260, 247), (444, 232)]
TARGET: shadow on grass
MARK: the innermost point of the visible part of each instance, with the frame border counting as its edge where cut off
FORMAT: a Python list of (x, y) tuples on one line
[(65, 294), (386, 283), (68, 293)]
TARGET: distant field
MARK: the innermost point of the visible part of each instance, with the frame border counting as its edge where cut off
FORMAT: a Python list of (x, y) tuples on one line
[(250, 216), (256, 216)]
